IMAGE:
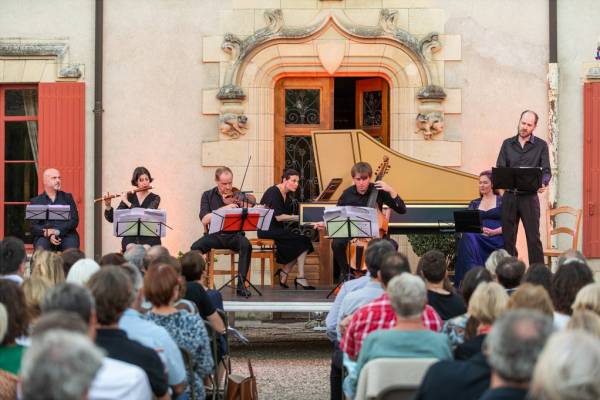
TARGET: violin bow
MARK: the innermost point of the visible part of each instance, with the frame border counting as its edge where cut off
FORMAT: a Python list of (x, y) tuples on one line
[(245, 172)]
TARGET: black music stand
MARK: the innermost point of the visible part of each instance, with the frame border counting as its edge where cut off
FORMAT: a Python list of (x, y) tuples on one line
[(355, 227), (234, 221), (49, 212), (467, 221), (131, 223), (521, 179)]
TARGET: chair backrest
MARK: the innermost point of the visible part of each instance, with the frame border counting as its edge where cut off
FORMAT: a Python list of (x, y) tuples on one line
[(555, 230), (190, 365), (403, 375)]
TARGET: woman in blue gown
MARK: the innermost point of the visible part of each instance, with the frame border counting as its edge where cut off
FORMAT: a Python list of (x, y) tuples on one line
[(475, 248)]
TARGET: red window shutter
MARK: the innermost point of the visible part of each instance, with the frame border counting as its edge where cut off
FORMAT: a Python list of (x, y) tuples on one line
[(591, 170), (62, 138)]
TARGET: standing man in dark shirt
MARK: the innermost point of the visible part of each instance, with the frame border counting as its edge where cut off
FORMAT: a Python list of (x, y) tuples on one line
[(212, 200), (358, 195), (60, 235), (524, 150)]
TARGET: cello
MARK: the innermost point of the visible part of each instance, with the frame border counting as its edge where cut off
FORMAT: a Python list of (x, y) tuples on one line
[(358, 247)]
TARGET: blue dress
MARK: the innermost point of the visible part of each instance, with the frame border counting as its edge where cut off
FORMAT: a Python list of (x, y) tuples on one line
[(475, 248)]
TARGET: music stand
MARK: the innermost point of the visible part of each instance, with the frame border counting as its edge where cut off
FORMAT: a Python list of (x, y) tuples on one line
[(235, 220), (350, 223), (140, 222), (49, 212), (521, 179), (467, 221)]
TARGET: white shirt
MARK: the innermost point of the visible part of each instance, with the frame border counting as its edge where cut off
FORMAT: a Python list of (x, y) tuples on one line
[(118, 380)]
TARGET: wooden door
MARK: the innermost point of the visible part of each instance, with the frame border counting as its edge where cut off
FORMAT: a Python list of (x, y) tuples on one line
[(591, 170), (372, 111), (302, 105)]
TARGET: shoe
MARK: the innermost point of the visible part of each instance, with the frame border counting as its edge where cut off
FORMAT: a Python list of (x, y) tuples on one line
[(278, 275), (305, 287), (242, 291)]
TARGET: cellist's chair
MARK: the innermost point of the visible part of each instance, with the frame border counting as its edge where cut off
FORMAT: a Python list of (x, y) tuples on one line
[(551, 230), (264, 249)]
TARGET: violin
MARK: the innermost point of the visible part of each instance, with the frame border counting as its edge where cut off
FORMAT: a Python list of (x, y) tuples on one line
[(114, 196), (358, 247), (241, 199)]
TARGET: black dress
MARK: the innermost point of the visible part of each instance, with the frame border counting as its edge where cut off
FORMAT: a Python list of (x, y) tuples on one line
[(289, 245), (151, 201)]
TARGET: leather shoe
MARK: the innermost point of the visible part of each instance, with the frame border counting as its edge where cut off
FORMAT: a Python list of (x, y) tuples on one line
[(242, 291)]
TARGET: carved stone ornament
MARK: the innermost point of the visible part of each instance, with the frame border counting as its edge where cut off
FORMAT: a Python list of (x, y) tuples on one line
[(430, 124), (233, 125), (430, 120), (36, 49)]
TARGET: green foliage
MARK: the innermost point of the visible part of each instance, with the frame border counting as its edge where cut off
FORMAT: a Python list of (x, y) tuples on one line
[(444, 242)]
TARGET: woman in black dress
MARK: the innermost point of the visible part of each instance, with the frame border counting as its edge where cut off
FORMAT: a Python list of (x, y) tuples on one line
[(291, 248), (142, 199)]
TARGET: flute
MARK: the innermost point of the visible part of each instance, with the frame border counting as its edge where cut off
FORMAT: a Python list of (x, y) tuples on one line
[(114, 196)]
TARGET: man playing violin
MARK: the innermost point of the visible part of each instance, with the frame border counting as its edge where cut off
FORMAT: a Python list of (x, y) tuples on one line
[(214, 200), (358, 195)]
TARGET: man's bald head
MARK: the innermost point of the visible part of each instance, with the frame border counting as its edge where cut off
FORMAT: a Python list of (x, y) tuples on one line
[(51, 179)]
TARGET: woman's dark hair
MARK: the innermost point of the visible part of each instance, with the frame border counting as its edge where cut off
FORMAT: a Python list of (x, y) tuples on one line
[(13, 298), (139, 171), (70, 257), (288, 173), (539, 274), (472, 279), (192, 265), (488, 173), (12, 255), (566, 282), (115, 259)]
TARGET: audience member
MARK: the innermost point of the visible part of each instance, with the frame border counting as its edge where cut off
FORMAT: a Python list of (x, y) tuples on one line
[(487, 303), (455, 327), (112, 259), (509, 273), (116, 379), (512, 347), (539, 274), (446, 303), (81, 272), (153, 254), (494, 259), (193, 269), (59, 365), (34, 289), (585, 320), (572, 275), (149, 334), (588, 298), (569, 255), (70, 257), (161, 288), (135, 254), (531, 297), (48, 265), (409, 338), (8, 381), (568, 368), (13, 257), (111, 290), (11, 295)]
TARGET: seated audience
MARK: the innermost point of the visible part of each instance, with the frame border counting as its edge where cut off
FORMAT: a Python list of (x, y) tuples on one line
[(13, 257), (569, 278), (447, 304), (379, 313), (35, 289), (70, 257), (153, 254), (568, 368), (409, 338), (59, 365), (509, 273), (512, 347), (585, 320), (114, 259), (487, 303), (588, 298), (111, 290), (135, 254), (149, 334), (8, 381), (539, 274), (494, 259), (11, 353), (48, 265), (71, 307), (455, 327), (531, 297), (81, 272), (161, 288)]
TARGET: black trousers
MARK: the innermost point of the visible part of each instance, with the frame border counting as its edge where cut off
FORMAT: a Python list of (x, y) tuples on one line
[(336, 376), (233, 241), (524, 207), (340, 257), (70, 241)]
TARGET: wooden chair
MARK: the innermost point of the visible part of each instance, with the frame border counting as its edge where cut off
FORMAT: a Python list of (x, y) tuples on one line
[(211, 255), (551, 230), (264, 249)]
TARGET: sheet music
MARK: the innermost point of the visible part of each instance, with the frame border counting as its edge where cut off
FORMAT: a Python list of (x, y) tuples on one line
[(153, 219), (216, 220), (364, 219)]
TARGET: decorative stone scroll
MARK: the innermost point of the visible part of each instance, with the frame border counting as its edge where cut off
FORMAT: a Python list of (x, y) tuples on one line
[(35, 49)]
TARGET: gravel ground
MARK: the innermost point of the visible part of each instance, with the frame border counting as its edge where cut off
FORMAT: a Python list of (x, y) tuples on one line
[(290, 360)]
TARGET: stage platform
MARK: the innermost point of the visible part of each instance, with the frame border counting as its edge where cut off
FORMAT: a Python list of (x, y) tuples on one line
[(279, 300)]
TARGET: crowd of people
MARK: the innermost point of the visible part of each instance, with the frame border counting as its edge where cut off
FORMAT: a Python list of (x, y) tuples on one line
[(137, 325)]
